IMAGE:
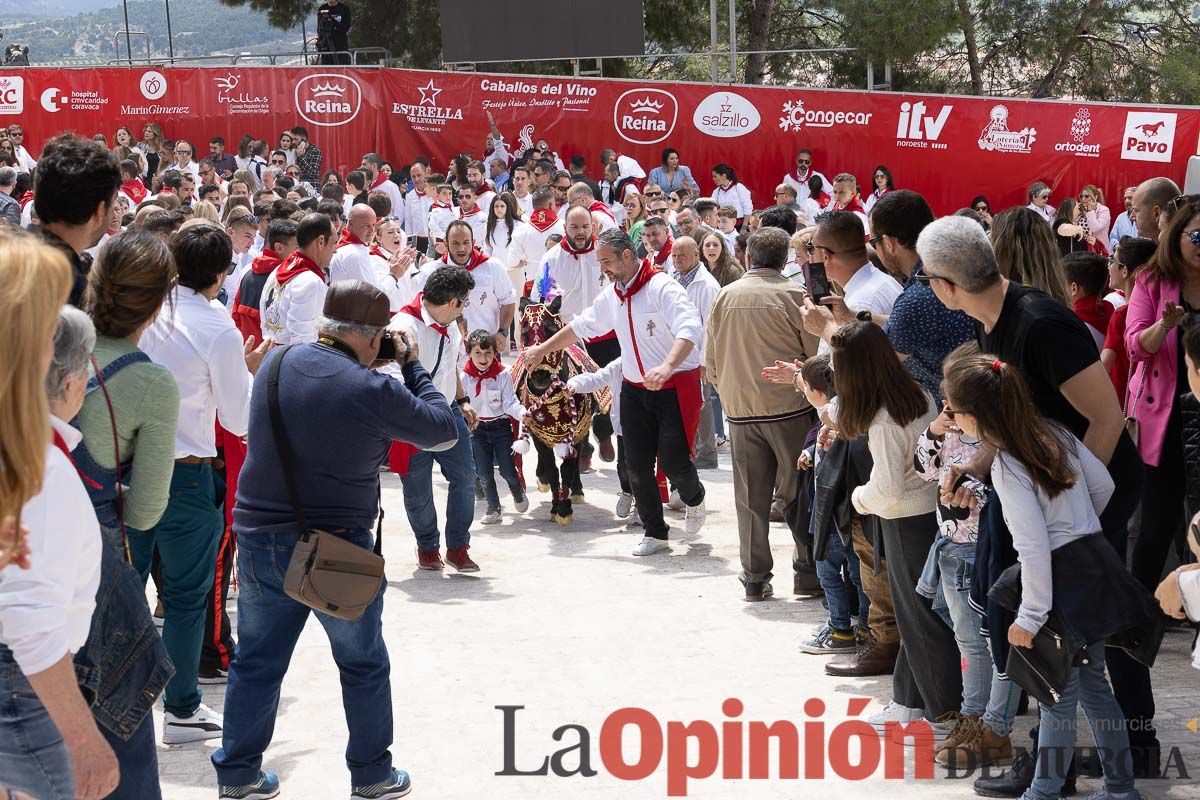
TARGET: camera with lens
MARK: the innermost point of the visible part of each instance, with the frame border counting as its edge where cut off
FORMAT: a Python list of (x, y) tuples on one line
[(393, 347)]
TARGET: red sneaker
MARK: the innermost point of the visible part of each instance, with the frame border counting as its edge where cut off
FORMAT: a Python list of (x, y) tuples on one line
[(461, 561), (429, 559)]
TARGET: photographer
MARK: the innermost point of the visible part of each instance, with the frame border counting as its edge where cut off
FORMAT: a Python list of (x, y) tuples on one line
[(337, 450), (333, 32)]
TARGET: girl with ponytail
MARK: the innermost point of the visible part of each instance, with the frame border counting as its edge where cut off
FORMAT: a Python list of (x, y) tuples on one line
[(1052, 490)]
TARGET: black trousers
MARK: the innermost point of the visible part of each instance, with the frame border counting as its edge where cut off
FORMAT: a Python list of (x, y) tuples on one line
[(652, 429), (622, 467), (928, 670), (603, 353)]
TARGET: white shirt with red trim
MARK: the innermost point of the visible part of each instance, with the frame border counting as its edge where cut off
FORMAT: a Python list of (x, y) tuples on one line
[(646, 326), (528, 246), (484, 200), (736, 195), (801, 185), (629, 168), (390, 188), (440, 217), (492, 290), (494, 397), (443, 371), (578, 278), (476, 219), (417, 206), (289, 315)]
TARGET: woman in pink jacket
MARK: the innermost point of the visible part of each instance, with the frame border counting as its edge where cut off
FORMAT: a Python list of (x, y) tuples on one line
[(1166, 290)]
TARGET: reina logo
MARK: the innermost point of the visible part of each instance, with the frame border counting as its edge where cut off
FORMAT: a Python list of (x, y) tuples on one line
[(328, 100), (998, 138), (1149, 136), (726, 115), (645, 116), (918, 129)]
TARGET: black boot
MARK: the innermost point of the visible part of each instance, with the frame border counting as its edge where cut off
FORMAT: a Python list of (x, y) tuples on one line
[(1016, 780)]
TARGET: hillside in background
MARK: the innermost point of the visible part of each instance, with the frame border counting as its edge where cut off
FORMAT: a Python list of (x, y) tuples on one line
[(200, 27)]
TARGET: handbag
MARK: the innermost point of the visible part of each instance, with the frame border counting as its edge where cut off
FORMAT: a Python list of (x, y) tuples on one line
[(326, 572), (1131, 424)]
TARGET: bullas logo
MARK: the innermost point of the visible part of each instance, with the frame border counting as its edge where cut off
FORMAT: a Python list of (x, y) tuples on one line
[(237, 100), (12, 94), (1081, 128), (645, 116), (726, 115), (1149, 136), (328, 100), (918, 129), (997, 137), (427, 114)]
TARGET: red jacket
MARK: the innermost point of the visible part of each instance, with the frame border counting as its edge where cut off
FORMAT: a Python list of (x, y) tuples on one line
[(246, 314)]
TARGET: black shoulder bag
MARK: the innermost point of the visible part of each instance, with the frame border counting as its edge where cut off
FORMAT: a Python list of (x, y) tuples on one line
[(326, 573)]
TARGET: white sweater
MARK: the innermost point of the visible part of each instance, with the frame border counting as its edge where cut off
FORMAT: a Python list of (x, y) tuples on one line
[(895, 488)]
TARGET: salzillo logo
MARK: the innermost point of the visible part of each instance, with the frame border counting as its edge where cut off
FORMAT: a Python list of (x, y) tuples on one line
[(645, 116), (12, 94), (1081, 128), (153, 85), (1149, 136), (796, 116), (726, 115), (917, 129), (997, 136), (328, 100), (427, 114)]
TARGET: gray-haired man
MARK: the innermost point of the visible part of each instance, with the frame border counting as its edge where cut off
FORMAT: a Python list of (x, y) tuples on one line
[(10, 209)]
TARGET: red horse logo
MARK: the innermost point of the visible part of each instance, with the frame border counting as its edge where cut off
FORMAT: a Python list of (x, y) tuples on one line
[(1152, 130)]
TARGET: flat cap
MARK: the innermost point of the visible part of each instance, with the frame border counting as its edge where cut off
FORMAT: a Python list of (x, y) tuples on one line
[(358, 303)]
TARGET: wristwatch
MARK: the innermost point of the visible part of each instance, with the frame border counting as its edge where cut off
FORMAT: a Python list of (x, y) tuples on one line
[(462, 401)]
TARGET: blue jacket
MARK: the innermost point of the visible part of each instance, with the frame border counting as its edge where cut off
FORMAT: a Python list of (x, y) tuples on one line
[(340, 419)]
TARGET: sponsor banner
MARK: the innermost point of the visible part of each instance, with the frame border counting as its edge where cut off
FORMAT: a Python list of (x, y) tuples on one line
[(948, 148)]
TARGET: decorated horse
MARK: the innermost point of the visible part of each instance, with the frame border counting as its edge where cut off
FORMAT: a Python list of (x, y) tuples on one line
[(558, 421)]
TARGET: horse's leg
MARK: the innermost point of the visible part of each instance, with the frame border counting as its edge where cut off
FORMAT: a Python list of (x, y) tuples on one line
[(571, 478), (546, 470), (550, 478)]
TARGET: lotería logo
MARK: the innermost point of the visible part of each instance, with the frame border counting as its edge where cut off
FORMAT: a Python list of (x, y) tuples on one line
[(795, 117), (153, 84), (426, 114), (12, 94), (1080, 130), (328, 100), (50, 100), (645, 116), (1149, 136), (726, 115), (917, 129), (997, 137)]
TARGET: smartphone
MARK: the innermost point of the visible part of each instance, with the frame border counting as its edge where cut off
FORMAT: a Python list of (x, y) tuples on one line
[(816, 281)]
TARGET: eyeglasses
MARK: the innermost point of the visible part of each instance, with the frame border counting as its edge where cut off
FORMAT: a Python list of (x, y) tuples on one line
[(15, 133), (1113, 262), (1044, 196), (1195, 237), (925, 278), (653, 194), (1181, 201), (464, 301), (812, 248), (875, 240)]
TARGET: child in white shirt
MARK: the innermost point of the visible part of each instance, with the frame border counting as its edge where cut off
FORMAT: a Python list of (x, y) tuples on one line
[(490, 388)]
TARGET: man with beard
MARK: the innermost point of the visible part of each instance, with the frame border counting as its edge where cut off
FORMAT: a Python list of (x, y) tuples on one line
[(372, 164)]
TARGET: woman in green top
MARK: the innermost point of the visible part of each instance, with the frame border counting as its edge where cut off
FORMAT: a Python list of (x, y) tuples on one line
[(635, 214), (126, 288)]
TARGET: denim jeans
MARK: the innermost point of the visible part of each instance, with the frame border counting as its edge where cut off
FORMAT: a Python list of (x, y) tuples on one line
[(955, 563), (1056, 738), (187, 538), (138, 759), (829, 572), (492, 442), (1002, 701), (33, 755), (458, 468), (269, 624)]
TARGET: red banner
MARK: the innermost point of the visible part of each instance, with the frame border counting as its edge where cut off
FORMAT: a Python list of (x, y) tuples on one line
[(948, 148)]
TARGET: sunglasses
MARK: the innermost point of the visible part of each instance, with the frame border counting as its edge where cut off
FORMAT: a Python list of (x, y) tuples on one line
[(653, 194), (812, 248), (389, 219), (926, 279), (658, 210), (17, 134), (566, 188), (875, 240), (278, 162), (1181, 201), (464, 301), (1195, 237), (1044, 196), (183, 152), (802, 163), (981, 209)]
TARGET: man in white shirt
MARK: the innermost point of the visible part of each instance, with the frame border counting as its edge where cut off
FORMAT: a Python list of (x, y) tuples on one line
[(485, 192), (522, 179), (195, 339), (580, 194), (659, 332), (492, 302), (471, 212), (25, 161), (417, 204), (656, 238), (627, 167), (702, 290), (353, 259), (372, 164), (529, 242), (838, 241), (798, 180), (294, 295), (429, 321)]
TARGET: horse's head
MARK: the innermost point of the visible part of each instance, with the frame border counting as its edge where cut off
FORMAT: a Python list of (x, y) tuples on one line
[(539, 321)]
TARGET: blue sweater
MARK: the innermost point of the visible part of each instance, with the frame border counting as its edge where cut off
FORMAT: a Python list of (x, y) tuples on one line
[(340, 419)]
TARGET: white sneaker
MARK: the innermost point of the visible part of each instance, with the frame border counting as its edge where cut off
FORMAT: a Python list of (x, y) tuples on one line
[(490, 518), (624, 505), (649, 546), (676, 502), (204, 724), (693, 518), (894, 712), (522, 505)]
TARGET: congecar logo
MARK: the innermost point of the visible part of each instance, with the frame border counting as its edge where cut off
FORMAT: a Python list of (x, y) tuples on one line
[(328, 100), (1149, 136), (645, 116), (795, 117), (726, 115)]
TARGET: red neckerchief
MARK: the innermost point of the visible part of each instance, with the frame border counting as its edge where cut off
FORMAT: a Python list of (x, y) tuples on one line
[(436, 204), (26, 199), (475, 209), (661, 256), (477, 258), (266, 263), (599, 206), (348, 238), (645, 272), (495, 369), (380, 180), (853, 205), (378, 251), (61, 444), (112, 233), (823, 200), (801, 178), (1094, 311), (414, 309), (418, 192), (543, 219), (880, 193), (565, 244), (296, 264), (135, 189)]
